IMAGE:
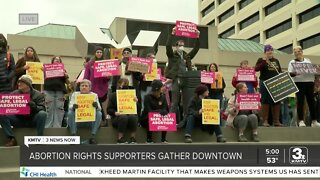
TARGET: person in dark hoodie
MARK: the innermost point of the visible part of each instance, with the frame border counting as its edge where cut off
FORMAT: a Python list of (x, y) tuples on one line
[(179, 62), (194, 115), (37, 116), (7, 67), (30, 55), (155, 101), (54, 90), (123, 122)]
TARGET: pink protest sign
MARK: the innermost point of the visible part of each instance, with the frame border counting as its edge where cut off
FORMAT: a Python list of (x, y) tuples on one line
[(137, 64), (248, 74), (53, 70), (186, 29), (249, 101), (159, 74), (106, 68), (157, 122), (207, 77), (13, 104)]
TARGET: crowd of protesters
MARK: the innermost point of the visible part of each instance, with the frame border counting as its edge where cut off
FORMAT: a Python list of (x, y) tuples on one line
[(48, 101)]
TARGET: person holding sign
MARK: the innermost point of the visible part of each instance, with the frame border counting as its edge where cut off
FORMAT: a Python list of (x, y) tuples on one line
[(155, 101), (30, 55), (54, 90), (242, 118), (36, 118), (123, 122), (194, 115), (85, 89), (178, 63), (99, 85), (252, 84), (268, 67), (305, 84)]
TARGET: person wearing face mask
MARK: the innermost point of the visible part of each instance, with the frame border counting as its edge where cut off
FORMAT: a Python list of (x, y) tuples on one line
[(268, 67), (123, 122), (305, 84), (99, 85), (178, 63), (7, 67), (30, 55), (54, 90)]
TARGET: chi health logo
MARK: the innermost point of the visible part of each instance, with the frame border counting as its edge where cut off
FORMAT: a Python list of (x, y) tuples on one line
[(298, 155), (24, 171)]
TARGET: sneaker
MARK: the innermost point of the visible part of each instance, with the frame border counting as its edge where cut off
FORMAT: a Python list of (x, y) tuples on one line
[(12, 142), (255, 138), (164, 141), (149, 141), (221, 139), (85, 141), (132, 140), (315, 124), (242, 138), (92, 141), (122, 141), (187, 139), (302, 124)]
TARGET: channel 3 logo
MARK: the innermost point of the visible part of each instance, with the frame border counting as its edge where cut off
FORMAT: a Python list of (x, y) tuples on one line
[(298, 155), (24, 171)]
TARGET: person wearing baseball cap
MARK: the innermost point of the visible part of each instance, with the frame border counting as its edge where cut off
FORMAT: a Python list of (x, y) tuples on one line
[(37, 116)]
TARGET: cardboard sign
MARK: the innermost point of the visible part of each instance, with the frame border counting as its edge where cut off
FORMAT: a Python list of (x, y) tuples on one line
[(246, 75), (125, 101), (154, 73), (106, 68), (218, 81), (36, 72), (157, 122), (53, 70), (186, 29), (14, 104), (116, 53), (280, 86), (85, 112), (137, 64), (249, 101), (306, 68), (207, 77), (211, 111)]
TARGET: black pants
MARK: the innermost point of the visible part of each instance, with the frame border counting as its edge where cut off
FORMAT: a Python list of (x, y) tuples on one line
[(163, 135), (125, 123), (305, 90), (101, 100)]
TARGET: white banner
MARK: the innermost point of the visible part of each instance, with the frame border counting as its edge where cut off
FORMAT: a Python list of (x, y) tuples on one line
[(171, 172)]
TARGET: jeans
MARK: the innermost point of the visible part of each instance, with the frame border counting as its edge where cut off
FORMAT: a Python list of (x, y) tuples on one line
[(176, 96), (37, 121), (94, 125), (55, 108), (242, 121), (193, 121)]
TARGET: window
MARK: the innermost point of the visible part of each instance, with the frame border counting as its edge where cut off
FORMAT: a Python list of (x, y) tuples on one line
[(275, 6), (207, 10), (279, 28), (309, 14), (211, 23), (310, 41), (287, 49), (227, 33), (221, 1), (244, 3), (226, 14), (255, 38), (250, 20)]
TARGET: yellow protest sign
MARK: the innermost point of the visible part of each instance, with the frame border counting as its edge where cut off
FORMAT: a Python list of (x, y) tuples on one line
[(211, 111), (85, 111), (125, 101), (36, 72), (218, 81), (116, 53), (153, 75)]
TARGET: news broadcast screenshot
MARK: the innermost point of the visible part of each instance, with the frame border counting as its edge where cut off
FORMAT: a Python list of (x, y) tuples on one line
[(161, 89)]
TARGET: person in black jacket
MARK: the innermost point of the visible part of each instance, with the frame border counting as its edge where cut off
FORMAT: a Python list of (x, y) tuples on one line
[(37, 116), (54, 90), (155, 101), (123, 122), (179, 62), (194, 115)]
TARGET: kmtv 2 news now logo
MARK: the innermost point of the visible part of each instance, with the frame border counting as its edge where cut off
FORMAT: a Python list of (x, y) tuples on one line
[(298, 155)]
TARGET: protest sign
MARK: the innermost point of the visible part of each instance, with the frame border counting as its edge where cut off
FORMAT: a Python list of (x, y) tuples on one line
[(14, 104), (207, 77), (211, 111), (246, 75), (249, 101), (106, 68), (85, 111), (305, 68), (137, 64), (157, 122), (218, 81), (125, 101), (186, 29), (53, 70), (153, 75), (36, 72)]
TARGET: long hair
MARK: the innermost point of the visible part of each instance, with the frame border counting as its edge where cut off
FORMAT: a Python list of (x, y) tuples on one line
[(35, 55), (213, 64), (54, 57), (238, 87), (122, 80), (5, 41)]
